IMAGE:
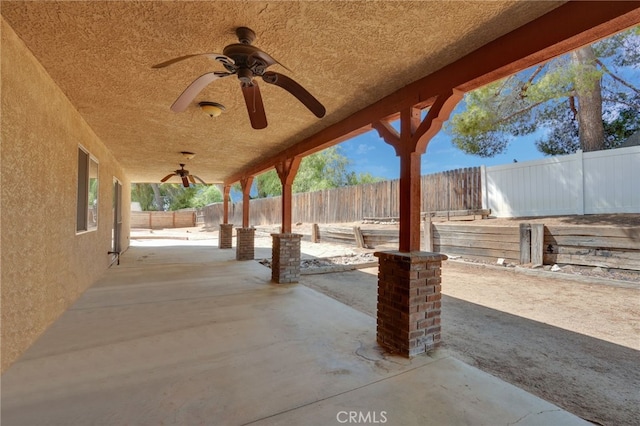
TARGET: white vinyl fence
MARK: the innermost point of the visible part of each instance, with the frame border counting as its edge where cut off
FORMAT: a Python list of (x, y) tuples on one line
[(583, 183)]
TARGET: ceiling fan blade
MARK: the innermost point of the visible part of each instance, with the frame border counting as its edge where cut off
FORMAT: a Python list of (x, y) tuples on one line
[(203, 182), (255, 107), (167, 177), (185, 181), (296, 90), (194, 88), (268, 59), (215, 56), (191, 179)]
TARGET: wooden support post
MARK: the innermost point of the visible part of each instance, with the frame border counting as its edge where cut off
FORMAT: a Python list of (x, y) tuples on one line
[(525, 243), (287, 170), (315, 233), (409, 202), (410, 143), (359, 238), (225, 203), (246, 189), (537, 243)]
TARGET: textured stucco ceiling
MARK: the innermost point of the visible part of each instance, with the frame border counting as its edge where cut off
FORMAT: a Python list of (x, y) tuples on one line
[(347, 54)]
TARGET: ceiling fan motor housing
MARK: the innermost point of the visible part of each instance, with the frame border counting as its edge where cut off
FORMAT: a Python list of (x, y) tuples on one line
[(245, 35), (247, 61)]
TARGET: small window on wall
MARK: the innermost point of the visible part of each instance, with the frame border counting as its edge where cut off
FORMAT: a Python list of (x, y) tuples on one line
[(87, 206)]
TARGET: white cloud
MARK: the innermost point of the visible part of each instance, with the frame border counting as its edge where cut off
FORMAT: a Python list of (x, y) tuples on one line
[(364, 148)]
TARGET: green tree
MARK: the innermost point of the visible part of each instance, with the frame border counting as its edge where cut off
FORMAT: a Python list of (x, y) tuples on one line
[(580, 101), (143, 194), (322, 170), (170, 196), (362, 178), (206, 194)]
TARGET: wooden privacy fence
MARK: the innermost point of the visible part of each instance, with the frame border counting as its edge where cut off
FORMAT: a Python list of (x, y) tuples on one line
[(160, 220), (452, 190)]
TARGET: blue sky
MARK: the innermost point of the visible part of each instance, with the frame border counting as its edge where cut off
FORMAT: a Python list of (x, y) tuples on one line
[(369, 153)]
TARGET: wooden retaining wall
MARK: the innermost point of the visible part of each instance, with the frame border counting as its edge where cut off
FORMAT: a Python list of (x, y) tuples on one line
[(161, 220), (477, 241), (607, 247)]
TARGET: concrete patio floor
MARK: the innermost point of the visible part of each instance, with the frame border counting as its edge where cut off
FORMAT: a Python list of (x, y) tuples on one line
[(185, 334)]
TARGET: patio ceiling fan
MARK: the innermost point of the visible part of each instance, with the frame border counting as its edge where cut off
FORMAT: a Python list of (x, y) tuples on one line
[(184, 175), (247, 62)]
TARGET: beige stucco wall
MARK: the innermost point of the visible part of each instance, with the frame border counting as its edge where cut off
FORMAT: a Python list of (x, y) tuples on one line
[(44, 265)]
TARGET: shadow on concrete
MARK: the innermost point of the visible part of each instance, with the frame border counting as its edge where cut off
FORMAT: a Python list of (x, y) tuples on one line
[(592, 378)]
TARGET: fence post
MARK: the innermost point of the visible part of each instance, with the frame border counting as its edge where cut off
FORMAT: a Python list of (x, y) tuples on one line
[(537, 243), (315, 233), (428, 233), (525, 243), (483, 186), (358, 235)]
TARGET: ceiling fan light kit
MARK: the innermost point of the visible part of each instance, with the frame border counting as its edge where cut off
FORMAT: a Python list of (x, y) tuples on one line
[(246, 62), (212, 109)]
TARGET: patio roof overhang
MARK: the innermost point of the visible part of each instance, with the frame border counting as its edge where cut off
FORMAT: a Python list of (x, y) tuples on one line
[(560, 31), (364, 61)]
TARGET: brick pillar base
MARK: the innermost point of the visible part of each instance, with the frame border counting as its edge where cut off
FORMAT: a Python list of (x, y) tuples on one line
[(245, 243), (285, 258), (409, 301), (225, 236)]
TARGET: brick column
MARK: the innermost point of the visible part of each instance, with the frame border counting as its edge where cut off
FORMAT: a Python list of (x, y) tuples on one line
[(409, 301), (245, 243), (225, 236), (285, 258)]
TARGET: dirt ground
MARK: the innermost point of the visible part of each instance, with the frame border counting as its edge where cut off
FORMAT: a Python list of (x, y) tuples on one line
[(569, 338), (575, 344)]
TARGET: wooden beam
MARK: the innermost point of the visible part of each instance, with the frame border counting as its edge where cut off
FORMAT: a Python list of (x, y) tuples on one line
[(326, 138), (438, 113), (565, 28), (389, 134)]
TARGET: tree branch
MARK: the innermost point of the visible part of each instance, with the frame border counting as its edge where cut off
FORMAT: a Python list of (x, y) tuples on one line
[(519, 112), (618, 101), (525, 86), (615, 77)]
